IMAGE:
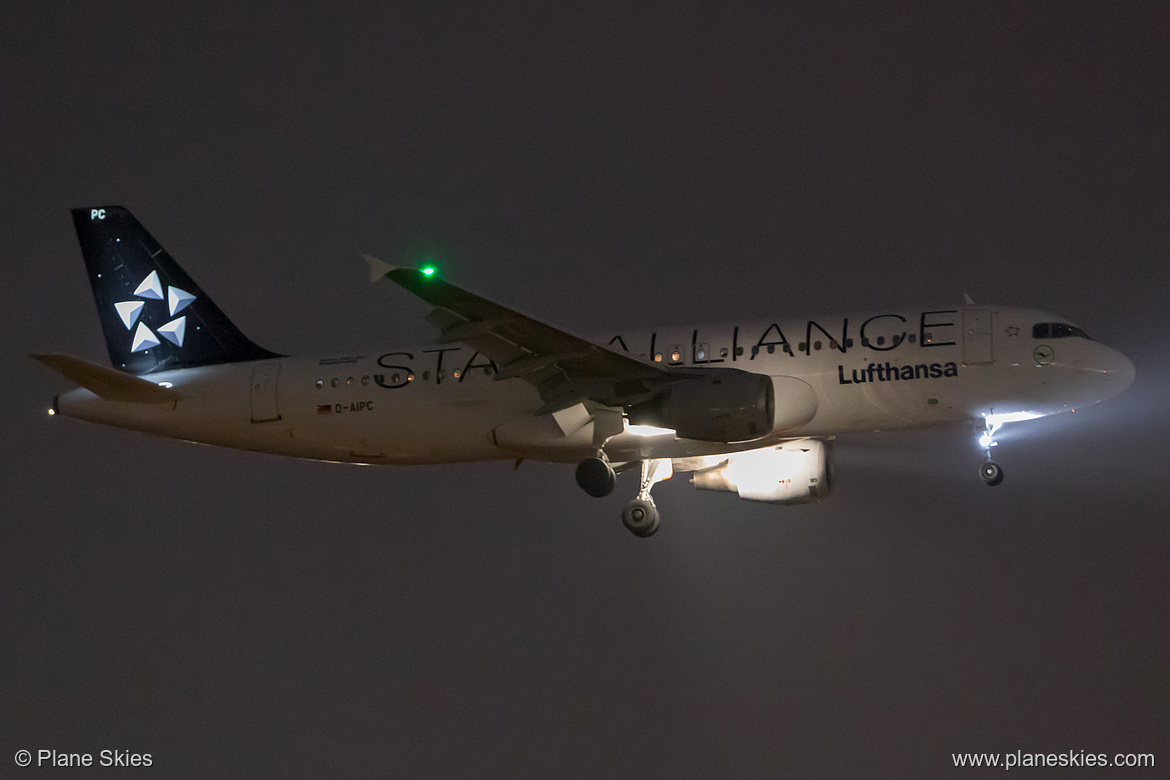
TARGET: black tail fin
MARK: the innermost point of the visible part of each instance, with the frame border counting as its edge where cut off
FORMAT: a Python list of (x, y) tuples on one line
[(153, 315)]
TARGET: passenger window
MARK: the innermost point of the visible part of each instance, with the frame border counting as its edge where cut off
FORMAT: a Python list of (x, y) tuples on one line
[(365, 380), (817, 344), (333, 382), (320, 383)]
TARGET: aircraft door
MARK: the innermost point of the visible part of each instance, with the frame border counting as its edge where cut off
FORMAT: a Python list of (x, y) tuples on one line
[(976, 336), (264, 377)]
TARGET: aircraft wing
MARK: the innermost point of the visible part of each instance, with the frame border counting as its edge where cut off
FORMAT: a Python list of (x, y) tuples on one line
[(566, 369)]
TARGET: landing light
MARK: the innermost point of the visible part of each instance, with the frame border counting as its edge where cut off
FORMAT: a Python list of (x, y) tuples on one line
[(52, 412), (649, 430), (996, 421), (165, 384)]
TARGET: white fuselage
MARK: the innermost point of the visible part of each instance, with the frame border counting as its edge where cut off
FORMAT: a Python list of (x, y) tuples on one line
[(436, 404)]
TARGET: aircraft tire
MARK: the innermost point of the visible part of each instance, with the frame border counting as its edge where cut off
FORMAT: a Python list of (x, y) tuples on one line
[(596, 477), (641, 517), (992, 473)]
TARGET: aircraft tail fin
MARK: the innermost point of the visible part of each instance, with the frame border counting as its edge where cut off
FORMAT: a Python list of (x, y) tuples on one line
[(153, 315)]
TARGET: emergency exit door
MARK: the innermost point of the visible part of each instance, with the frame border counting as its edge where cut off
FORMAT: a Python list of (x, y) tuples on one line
[(264, 378), (976, 336)]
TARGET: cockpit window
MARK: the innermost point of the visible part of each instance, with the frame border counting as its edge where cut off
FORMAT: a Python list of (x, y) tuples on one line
[(1057, 330)]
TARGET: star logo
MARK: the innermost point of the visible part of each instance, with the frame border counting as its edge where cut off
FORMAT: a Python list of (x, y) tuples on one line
[(130, 312), (1012, 331)]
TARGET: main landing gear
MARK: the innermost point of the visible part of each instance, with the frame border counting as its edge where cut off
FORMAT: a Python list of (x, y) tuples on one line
[(596, 477), (640, 515), (990, 472)]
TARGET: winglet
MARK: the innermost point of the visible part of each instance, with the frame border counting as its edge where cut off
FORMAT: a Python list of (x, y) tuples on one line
[(378, 268), (967, 300)]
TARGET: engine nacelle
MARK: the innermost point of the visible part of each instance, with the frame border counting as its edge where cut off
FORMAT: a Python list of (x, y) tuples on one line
[(791, 473), (728, 405)]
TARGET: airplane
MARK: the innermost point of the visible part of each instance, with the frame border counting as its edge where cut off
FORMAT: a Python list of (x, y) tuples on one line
[(747, 407)]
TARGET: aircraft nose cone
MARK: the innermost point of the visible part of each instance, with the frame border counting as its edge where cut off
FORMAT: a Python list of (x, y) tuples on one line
[(1119, 370), (1127, 373)]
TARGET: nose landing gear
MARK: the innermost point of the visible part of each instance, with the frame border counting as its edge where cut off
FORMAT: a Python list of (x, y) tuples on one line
[(990, 472)]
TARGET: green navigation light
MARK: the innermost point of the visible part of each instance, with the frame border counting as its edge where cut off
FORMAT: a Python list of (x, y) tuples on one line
[(428, 270)]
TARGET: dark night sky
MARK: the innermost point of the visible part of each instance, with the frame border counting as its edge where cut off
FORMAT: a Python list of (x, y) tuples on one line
[(243, 615)]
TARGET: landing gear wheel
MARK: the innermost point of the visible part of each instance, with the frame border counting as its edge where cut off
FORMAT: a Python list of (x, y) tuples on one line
[(992, 473), (596, 477), (641, 517)]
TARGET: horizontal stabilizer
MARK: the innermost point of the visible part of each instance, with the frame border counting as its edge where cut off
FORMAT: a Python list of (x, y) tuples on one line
[(107, 382)]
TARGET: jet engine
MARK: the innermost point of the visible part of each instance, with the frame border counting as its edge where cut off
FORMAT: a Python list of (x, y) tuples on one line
[(728, 405), (794, 472)]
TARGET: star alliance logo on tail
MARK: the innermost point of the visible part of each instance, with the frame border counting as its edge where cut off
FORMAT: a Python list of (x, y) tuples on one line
[(150, 289)]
